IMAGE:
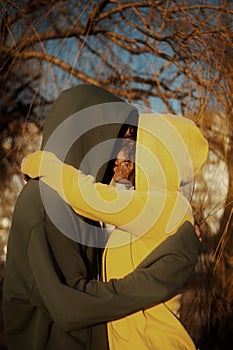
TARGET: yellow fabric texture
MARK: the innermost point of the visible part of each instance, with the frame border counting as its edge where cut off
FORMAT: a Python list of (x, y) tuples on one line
[(170, 151)]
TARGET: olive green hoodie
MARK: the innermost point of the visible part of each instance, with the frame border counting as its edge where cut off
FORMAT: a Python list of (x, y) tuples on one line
[(51, 250)]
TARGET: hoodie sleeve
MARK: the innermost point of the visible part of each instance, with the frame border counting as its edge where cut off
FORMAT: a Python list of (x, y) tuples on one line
[(92, 302), (126, 209)]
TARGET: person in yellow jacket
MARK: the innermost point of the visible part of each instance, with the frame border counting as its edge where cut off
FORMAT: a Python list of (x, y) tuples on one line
[(170, 150)]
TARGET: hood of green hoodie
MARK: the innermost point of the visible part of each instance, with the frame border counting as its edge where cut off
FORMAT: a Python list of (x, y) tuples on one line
[(84, 126)]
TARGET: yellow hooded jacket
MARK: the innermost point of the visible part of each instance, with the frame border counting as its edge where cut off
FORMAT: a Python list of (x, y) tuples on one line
[(170, 151)]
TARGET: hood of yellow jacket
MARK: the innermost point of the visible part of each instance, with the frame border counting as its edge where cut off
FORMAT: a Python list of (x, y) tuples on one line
[(170, 152)]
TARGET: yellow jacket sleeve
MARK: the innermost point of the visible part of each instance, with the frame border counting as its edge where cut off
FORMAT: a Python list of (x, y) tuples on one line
[(131, 210)]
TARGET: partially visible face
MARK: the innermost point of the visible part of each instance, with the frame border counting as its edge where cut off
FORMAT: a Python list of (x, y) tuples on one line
[(123, 166), (125, 162)]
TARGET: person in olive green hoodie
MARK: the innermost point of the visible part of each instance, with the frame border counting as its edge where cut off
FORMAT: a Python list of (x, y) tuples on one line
[(51, 296)]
